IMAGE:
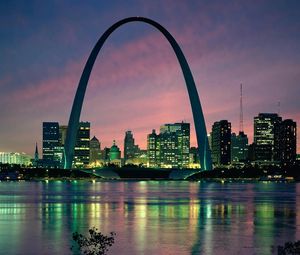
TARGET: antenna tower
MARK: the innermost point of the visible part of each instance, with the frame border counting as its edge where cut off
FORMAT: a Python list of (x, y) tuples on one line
[(241, 109)]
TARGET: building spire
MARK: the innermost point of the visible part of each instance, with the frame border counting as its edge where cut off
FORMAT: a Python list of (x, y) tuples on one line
[(36, 154), (241, 109)]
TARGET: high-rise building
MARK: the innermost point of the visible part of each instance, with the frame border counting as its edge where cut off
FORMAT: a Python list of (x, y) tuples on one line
[(105, 154), (51, 148), (82, 146), (221, 143), (194, 158), (62, 134), (266, 138), (239, 147), (287, 144), (129, 147), (171, 148), (95, 150), (62, 138), (153, 149), (175, 145)]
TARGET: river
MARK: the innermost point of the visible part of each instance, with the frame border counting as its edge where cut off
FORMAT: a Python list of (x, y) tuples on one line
[(149, 217)]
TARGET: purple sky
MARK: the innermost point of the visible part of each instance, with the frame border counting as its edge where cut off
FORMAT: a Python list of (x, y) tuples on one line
[(137, 83)]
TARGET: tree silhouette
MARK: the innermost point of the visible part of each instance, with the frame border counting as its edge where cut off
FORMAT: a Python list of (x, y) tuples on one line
[(94, 244)]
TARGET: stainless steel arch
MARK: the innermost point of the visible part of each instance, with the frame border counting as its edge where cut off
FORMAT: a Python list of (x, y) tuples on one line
[(203, 147)]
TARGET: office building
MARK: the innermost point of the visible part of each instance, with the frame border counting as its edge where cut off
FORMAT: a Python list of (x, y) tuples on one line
[(170, 148), (221, 143), (62, 134), (95, 151), (129, 147), (82, 146), (288, 141), (51, 147), (266, 138), (239, 147), (153, 149), (194, 158), (175, 145)]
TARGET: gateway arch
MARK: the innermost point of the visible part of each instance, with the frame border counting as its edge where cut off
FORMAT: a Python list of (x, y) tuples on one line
[(201, 134)]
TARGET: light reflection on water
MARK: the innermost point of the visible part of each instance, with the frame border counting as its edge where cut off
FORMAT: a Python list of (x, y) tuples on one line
[(149, 217)]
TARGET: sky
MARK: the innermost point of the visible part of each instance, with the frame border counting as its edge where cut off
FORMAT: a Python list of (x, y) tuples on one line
[(136, 83)]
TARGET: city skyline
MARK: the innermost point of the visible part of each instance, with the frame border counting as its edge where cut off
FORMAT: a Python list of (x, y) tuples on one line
[(128, 91)]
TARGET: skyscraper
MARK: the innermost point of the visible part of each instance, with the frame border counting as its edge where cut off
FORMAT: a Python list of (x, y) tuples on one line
[(129, 147), (194, 158), (82, 146), (171, 147), (221, 143), (51, 148), (175, 144), (287, 144), (266, 138), (62, 134), (153, 149), (239, 147), (95, 150)]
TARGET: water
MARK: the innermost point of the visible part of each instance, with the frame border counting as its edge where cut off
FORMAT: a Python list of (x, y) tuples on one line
[(149, 217)]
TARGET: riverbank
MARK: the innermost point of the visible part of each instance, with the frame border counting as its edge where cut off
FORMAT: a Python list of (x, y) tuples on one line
[(136, 173)]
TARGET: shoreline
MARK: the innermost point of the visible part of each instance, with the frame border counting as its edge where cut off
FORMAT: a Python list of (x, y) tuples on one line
[(204, 180)]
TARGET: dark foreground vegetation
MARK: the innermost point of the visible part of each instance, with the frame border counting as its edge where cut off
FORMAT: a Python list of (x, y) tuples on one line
[(19, 173), (289, 248), (250, 173), (94, 244), (16, 172)]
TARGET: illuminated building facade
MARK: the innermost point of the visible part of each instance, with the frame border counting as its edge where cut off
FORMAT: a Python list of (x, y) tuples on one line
[(288, 141), (62, 134), (129, 147), (95, 151), (82, 146), (153, 149), (115, 155), (194, 158), (266, 138), (15, 158), (171, 148), (140, 158), (175, 145), (51, 147), (221, 143), (239, 147)]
